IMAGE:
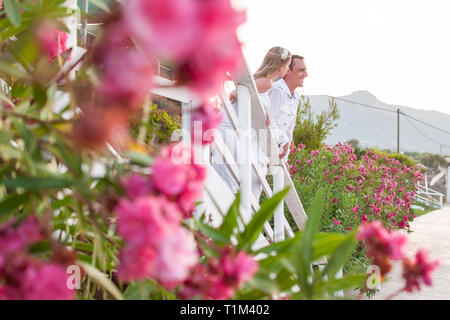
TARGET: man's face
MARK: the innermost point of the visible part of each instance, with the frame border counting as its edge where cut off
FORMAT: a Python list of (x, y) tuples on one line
[(298, 73)]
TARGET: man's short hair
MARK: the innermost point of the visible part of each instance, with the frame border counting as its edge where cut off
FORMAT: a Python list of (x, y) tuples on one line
[(294, 56)]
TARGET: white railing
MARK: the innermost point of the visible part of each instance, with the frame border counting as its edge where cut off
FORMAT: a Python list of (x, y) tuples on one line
[(429, 196)]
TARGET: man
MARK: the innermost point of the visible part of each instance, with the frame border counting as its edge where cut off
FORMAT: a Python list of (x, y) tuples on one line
[(284, 101)]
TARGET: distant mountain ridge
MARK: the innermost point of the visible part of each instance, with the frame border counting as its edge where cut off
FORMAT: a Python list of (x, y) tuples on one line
[(377, 128)]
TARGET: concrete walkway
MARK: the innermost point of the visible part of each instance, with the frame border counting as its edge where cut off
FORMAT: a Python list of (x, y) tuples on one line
[(432, 233)]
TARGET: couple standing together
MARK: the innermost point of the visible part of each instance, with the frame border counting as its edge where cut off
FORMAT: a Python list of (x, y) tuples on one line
[(277, 79)]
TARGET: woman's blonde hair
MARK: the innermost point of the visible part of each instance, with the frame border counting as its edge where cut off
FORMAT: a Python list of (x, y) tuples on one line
[(275, 58)]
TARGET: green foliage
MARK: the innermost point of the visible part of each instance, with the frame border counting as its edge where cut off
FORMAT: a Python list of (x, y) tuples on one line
[(158, 126), (312, 129), (432, 160), (288, 267), (404, 159)]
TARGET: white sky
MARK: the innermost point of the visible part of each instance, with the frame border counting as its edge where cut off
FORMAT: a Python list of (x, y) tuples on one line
[(399, 50)]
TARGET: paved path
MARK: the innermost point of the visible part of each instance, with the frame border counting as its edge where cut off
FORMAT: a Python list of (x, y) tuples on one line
[(432, 233)]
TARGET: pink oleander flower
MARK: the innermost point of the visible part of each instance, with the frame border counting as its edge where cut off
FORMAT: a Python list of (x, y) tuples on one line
[(13, 240), (337, 222), (127, 77), (239, 268), (29, 279), (314, 153), (381, 242), (156, 244), (219, 278), (419, 268), (335, 200), (1, 5), (177, 253), (164, 27), (175, 174), (136, 185), (52, 41), (188, 32), (143, 221), (355, 209), (98, 126), (136, 262), (207, 118)]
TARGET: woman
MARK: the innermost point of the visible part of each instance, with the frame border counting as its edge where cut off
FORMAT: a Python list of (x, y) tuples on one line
[(274, 66)]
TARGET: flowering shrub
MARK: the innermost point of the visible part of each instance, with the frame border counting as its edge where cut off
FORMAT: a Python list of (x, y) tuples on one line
[(373, 187)]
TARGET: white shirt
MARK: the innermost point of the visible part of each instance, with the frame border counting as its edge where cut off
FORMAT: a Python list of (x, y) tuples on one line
[(283, 111)]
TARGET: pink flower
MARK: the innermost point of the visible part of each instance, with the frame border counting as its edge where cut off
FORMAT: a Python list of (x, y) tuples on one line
[(46, 282), (174, 174), (335, 200), (52, 40), (381, 242), (314, 153), (238, 269), (156, 244), (136, 262), (145, 220), (419, 268), (136, 185), (177, 253), (209, 118), (13, 240), (29, 279), (164, 27), (336, 221)]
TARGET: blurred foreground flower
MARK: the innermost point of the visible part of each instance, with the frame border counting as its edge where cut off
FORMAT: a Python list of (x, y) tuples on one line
[(420, 268)]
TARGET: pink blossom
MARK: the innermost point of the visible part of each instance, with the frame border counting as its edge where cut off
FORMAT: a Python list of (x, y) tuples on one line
[(52, 40), (145, 220), (335, 200), (419, 268), (29, 279), (337, 221), (177, 253), (156, 244), (13, 240), (174, 174), (314, 153), (239, 268), (209, 118), (164, 27), (136, 262), (381, 242), (136, 185)]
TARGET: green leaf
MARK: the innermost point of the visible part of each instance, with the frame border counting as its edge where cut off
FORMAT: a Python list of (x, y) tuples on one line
[(12, 11), (139, 158), (102, 279), (255, 226), (312, 227), (5, 136), (214, 234), (230, 221), (35, 183), (340, 256), (12, 202), (326, 243)]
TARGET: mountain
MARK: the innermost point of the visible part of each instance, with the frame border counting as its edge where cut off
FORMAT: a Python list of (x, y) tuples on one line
[(376, 128)]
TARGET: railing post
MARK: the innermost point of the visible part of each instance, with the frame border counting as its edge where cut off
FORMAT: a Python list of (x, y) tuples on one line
[(448, 184), (278, 185), (244, 148)]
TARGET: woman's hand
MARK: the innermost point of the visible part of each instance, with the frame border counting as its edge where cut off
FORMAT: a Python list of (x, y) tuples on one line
[(268, 117), (233, 96), (285, 151)]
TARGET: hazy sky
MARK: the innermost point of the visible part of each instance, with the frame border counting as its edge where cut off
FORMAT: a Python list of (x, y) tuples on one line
[(397, 49)]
